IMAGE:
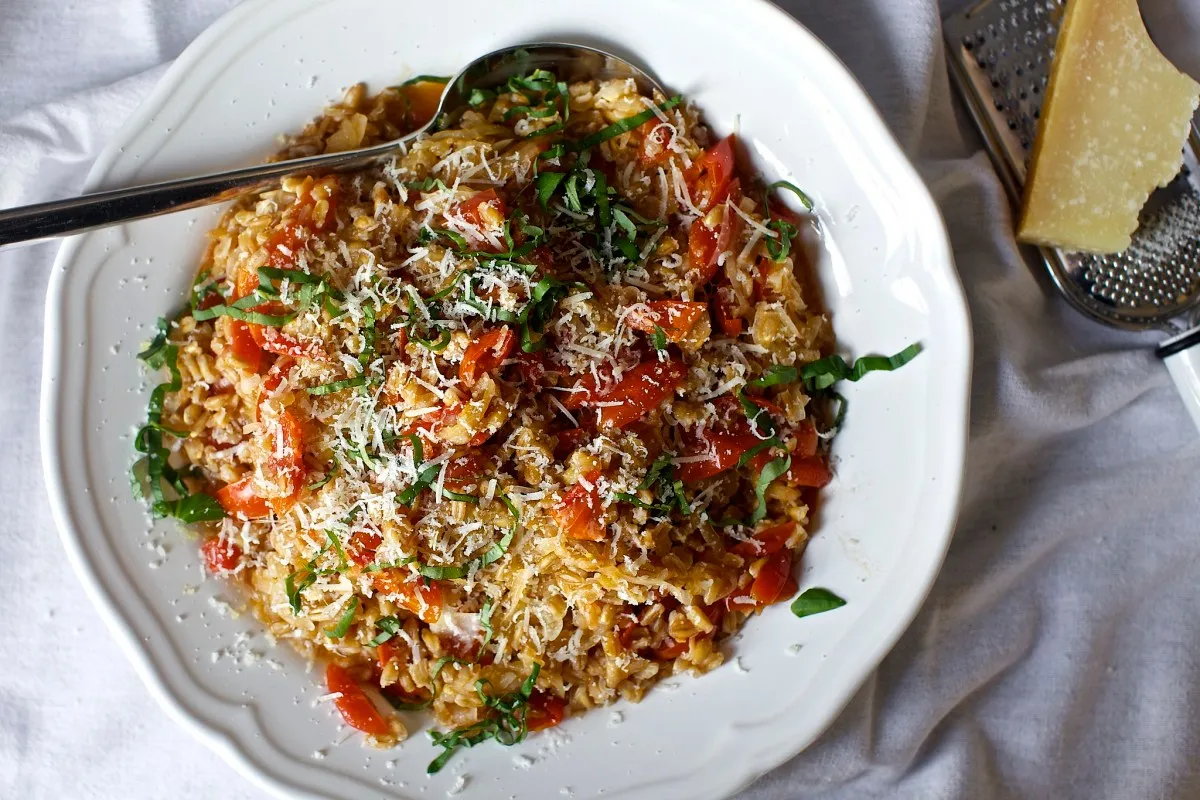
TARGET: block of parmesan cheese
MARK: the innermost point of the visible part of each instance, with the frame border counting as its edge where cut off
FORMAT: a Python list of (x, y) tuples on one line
[(1113, 127)]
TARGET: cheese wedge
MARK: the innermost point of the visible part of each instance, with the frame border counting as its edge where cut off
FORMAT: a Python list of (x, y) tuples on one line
[(1113, 127)]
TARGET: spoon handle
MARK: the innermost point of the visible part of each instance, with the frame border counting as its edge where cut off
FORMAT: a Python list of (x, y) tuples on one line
[(98, 210)]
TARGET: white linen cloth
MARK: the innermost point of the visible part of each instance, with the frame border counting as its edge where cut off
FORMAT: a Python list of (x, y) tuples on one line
[(1059, 654)]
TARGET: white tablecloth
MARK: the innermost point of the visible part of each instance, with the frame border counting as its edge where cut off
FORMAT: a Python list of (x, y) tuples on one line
[(1059, 655)]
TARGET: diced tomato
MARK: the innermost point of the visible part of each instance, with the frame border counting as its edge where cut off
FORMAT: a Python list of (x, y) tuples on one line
[(706, 244), (245, 349), (544, 710), (387, 652), (486, 354), (284, 245), (540, 256), (765, 542), (484, 211), (423, 98), (640, 391), (676, 318), (272, 381), (362, 546), (220, 556), (531, 367), (276, 341), (299, 223), (288, 453), (710, 175), (656, 139), (725, 312), (427, 425), (287, 457), (771, 583), (464, 470), (568, 441), (715, 614), (722, 450), (415, 594), (627, 630), (673, 648), (245, 282), (356, 708), (462, 646), (724, 444), (578, 512), (764, 268), (812, 472), (274, 378), (807, 440), (239, 498)]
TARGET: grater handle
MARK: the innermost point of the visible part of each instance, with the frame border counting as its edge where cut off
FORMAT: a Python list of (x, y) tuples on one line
[(1181, 354)]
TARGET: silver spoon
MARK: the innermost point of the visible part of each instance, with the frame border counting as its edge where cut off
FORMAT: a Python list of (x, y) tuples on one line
[(569, 62)]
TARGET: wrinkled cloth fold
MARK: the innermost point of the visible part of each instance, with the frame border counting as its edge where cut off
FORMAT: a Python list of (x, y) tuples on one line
[(1059, 652)]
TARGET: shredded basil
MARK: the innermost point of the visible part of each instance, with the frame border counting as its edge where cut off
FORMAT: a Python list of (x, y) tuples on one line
[(479, 97), (774, 375), (774, 469), (344, 621), (387, 627), (431, 234), (312, 487), (816, 601), (337, 386), (805, 200), (659, 338), (155, 465), (309, 573), (831, 369), (434, 691), (294, 589), (546, 184), (485, 621), (506, 722), (490, 556), (626, 125), (425, 475), (668, 491)]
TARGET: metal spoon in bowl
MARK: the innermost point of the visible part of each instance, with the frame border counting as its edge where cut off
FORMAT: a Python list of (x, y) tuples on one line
[(569, 62)]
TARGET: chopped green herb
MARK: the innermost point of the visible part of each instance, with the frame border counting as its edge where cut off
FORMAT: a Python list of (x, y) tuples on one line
[(774, 469), (490, 556), (479, 97), (626, 125), (312, 487), (485, 621), (774, 375), (155, 465), (831, 369), (425, 476), (805, 200), (425, 79), (659, 338), (387, 627), (816, 601), (337, 386), (668, 491), (505, 722), (344, 621)]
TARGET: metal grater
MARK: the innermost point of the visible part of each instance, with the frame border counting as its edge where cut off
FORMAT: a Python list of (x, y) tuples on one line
[(999, 53)]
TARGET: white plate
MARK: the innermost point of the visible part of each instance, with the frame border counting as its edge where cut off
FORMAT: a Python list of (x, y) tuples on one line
[(269, 66)]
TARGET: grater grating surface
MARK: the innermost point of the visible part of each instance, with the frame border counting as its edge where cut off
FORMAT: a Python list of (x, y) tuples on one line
[(1000, 53)]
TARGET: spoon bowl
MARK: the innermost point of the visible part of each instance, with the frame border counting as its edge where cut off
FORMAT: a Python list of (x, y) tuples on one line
[(569, 62)]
